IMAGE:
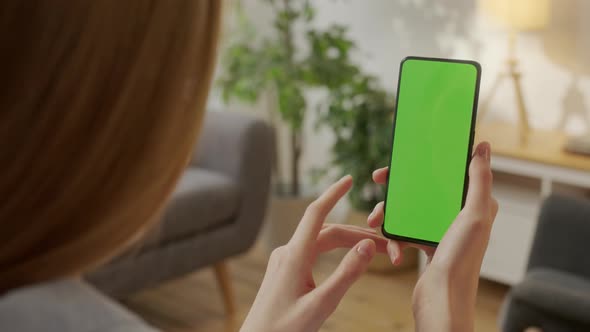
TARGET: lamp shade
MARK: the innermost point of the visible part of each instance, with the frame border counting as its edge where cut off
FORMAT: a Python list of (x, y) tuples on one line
[(519, 15), (566, 41)]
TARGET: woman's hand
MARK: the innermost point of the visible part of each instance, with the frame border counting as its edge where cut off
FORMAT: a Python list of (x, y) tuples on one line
[(444, 297), (288, 299)]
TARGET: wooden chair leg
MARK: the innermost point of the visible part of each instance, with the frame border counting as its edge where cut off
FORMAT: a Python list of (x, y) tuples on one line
[(224, 282)]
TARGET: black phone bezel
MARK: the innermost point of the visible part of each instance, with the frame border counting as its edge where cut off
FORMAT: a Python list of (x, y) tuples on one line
[(469, 149)]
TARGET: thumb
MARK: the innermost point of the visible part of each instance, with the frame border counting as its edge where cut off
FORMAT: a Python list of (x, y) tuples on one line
[(480, 181), (352, 266)]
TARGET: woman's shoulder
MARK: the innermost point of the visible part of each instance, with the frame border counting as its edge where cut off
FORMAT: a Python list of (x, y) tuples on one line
[(65, 305)]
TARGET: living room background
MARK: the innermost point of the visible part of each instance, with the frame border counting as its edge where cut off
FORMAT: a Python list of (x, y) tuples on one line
[(387, 31)]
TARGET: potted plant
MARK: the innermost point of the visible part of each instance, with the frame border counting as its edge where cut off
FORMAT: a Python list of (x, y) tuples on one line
[(360, 114), (272, 65)]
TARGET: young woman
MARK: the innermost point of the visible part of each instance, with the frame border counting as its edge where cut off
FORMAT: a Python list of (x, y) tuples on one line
[(101, 105)]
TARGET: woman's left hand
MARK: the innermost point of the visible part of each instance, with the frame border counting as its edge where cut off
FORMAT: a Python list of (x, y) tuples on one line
[(288, 299)]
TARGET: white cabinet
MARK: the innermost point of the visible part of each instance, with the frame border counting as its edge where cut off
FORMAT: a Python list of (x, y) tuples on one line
[(512, 234)]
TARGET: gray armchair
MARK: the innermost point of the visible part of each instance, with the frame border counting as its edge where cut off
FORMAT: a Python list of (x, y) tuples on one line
[(215, 212), (555, 293)]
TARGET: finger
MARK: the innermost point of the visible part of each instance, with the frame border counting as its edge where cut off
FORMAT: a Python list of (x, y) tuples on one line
[(466, 240), (380, 175), (353, 265), (395, 251), (347, 236), (315, 214), (375, 219), (480, 181)]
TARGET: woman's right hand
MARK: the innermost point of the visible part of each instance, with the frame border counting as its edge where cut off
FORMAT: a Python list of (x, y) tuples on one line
[(444, 297)]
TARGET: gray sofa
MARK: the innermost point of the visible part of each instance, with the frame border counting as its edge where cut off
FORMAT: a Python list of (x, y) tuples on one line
[(555, 293), (215, 212)]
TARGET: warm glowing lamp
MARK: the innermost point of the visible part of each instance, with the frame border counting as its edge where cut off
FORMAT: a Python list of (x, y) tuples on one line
[(516, 16), (567, 44)]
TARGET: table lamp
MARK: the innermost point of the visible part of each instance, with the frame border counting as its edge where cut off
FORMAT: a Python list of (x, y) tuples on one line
[(566, 43), (516, 16)]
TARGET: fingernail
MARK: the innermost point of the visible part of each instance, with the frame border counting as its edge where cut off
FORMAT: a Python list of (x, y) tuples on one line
[(365, 249), (391, 255), (373, 212), (483, 150)]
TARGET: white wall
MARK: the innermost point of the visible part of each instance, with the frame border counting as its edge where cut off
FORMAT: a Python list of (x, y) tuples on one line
[(386, 31)]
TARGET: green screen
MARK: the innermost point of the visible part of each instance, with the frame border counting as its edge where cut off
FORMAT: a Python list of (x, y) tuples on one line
[(430, 147)]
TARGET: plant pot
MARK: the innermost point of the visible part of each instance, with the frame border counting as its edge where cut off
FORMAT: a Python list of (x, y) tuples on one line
[(381, 262), (283, 218)]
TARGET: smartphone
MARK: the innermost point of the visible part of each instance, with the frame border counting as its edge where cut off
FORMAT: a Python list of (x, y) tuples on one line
[(433, 131)]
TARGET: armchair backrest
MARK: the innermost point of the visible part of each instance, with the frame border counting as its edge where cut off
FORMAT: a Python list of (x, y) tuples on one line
[(562, 239)]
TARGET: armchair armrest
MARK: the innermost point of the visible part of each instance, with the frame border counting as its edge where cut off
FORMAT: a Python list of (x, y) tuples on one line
[(549, 299), (556, 292), (241, 147)]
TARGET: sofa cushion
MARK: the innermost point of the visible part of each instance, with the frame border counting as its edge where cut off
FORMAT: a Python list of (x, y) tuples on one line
[(202, 200), (559, 293), (66, 305)]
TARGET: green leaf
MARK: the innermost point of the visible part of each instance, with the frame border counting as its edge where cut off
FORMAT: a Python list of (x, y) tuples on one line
[(308, 11)]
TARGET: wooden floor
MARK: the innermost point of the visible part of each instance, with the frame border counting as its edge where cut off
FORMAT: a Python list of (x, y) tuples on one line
[(377, 302)]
